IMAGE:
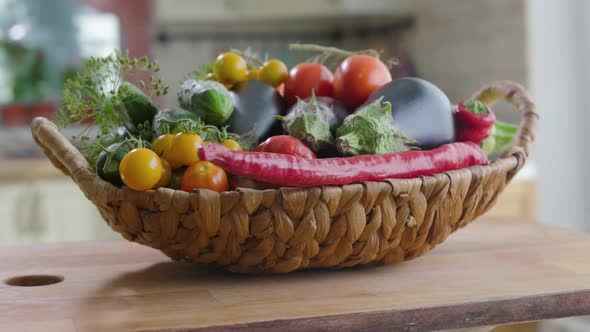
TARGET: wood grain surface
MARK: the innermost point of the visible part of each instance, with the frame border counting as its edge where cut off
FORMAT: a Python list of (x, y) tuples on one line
[(492, 272)]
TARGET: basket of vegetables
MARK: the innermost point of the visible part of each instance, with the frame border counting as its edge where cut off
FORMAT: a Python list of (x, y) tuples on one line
[(330, 164)]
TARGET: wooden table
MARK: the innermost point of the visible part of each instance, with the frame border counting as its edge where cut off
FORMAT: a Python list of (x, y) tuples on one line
[(492, 272)]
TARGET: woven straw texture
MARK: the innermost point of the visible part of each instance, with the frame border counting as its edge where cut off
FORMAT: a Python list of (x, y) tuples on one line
[(278, 231)]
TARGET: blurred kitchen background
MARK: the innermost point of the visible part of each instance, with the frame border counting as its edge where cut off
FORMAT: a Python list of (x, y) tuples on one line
[(457, 44)]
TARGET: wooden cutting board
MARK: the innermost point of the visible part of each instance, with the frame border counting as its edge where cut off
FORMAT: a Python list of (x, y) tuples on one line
[(491, 272)]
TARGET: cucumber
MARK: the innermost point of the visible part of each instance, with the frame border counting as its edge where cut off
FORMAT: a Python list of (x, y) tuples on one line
[(107, 163), (170, 121), (138, 106), (210, 100)]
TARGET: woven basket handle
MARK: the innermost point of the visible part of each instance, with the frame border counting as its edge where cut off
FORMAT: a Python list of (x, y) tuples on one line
[(521, 100), (58, 149)]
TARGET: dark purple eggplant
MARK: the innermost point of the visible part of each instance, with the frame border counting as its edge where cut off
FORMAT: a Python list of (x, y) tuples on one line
[(420, 110), (338, 110), (255, 106)]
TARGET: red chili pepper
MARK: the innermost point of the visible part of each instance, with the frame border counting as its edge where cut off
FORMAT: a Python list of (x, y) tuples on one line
[(288, 170), (285, 144), (473, 121)]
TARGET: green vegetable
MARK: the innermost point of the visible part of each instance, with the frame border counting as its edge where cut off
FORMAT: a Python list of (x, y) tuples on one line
[(173, 121), (370, 131), (309, 123), (176, 178), (476, 106), (95, 94), (92, 150), (140, 109), (500, 139), (107, 163), (209, 100)]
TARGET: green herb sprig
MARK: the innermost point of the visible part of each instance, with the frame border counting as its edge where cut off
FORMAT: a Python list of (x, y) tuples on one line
[(94, 94)]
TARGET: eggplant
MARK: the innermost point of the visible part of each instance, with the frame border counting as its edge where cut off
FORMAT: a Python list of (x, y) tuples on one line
[(337, 109), (420, 110), (309, 122), (256, 104)]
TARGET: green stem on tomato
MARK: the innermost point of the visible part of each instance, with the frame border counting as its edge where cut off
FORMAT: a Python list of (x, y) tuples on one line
[(331, 50), (252, 59)]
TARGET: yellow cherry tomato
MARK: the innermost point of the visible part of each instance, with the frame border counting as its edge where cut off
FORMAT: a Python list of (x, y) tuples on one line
[(184, 150), (254, 74), (232, 145), (230, 68), (162, 145), (274, 72), (140, 169), (166, 175)]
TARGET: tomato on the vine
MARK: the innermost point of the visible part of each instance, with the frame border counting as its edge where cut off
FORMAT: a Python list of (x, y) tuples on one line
[(204, 175), (140, 169), (281, 89), (274, 72), (232, 145), (183, 151), (166, 175), (253, 74), (230, 68), (163, 144), (305, 78), (358, 77)]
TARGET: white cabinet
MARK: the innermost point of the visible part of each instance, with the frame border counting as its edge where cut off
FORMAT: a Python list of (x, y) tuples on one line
[(189, 11), (227, 11), (271, 9), (48, 211), (9, 194)]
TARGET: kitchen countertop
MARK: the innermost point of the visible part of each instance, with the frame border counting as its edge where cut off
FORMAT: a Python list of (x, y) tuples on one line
[(26, 169), (492, 272)]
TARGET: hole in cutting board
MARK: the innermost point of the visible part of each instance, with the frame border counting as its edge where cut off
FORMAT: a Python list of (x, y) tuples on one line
[(33, 280)]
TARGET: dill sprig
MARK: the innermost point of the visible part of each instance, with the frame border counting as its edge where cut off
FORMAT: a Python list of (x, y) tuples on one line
[(94, 94)]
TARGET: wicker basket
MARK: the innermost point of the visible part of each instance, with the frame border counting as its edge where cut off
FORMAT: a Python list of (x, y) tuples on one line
[(279, 231)]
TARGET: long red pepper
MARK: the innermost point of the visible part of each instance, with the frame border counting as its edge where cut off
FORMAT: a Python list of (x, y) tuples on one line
[(295, 171), (473, 121)]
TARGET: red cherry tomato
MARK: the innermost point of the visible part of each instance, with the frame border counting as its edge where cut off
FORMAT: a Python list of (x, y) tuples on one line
[(281, 89), (286, 145), (204, 175), (305, 78), (358, 77)]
